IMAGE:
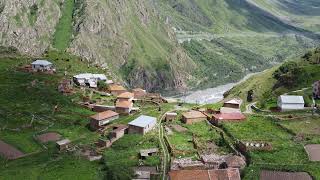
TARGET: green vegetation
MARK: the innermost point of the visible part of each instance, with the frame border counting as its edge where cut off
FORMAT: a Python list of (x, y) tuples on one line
[(291, 77), (32, 15), (287, 154), (63, 34)]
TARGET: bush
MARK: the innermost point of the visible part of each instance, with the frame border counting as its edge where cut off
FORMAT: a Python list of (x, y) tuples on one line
[(289, 74), (102, 85)]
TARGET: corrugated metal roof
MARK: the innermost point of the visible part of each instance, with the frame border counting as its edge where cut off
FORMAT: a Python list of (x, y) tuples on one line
[(288, 99), (91, 76), (143, 121), (41, 62)]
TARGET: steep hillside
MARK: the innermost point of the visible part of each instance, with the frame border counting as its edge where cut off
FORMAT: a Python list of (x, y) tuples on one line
[(136, 42), (295, 76)]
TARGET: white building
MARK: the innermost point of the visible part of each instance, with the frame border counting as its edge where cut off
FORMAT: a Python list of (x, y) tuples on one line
[(42, 65), (88, 79), (286, 102), (142, 125)]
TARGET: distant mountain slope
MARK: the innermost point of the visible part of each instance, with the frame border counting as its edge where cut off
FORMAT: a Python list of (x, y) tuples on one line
[(137, 42), (297, 74)]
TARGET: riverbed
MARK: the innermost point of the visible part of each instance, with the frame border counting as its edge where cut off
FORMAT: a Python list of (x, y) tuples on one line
[(210, 95)]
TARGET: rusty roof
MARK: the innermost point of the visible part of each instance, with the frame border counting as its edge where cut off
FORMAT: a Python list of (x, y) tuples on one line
[(116, 87), (126, 95), (278, 175), (104, 115), (313, 151), (193, 114), (229, 116), (217, 174), (124, 104)]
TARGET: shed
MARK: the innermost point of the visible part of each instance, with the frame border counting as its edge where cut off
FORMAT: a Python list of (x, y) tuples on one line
[(139, 93), (191, 117), (142, 124), (171, 116), (63, 144), (118, 131), (101, 119), (227, 117), (148, 152), (233, 103), (287, 102), (42, 65)]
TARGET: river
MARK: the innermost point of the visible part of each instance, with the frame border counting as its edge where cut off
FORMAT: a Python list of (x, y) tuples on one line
[(210, 95)]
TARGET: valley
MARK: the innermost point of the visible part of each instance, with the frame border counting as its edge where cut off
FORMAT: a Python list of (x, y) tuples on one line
[(160, 89)]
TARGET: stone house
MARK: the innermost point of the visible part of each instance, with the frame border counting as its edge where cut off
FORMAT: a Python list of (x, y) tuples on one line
[(316, 90), (192, 116), (99, 120), (42, 66)]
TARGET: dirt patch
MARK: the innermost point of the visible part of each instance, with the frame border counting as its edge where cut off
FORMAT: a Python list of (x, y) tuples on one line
[(178, 128), (49, 137), (9, 152)]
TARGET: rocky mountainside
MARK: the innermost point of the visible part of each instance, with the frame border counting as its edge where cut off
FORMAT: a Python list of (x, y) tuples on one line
[(137, 41)]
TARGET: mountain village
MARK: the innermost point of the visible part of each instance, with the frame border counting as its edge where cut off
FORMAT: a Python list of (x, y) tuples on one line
[(195, 141)]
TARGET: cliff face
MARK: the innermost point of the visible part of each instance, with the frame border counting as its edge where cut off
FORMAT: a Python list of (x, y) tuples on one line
[(29, 24), (127, 38), (135, 42)]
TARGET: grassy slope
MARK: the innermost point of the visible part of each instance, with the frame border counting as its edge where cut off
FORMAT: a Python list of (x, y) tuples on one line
[(246, 50), (286, 155), (263, 84), (19, 100), (63, 34)]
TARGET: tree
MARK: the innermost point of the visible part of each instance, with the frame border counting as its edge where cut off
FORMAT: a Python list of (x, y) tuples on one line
[(289, 74), (102, 85)]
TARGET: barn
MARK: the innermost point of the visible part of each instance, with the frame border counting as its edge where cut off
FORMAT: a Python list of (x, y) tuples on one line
[(289, 102)]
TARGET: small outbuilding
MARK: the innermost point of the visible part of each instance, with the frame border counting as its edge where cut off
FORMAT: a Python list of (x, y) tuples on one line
[(148, 152), (142, 125), (171, 116), (63, 144), (99, 120), (289, 102), (118, 132), (233, 103), (139, 93), (227, 117), (42, 65), (192, 116)]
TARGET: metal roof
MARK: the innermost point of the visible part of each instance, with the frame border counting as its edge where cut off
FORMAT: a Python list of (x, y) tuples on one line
[(143, 121), (41, 62), (90, 76), (292, 99)]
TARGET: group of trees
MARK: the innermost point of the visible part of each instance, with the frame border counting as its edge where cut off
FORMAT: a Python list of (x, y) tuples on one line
[(289, 74)]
